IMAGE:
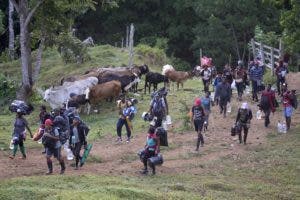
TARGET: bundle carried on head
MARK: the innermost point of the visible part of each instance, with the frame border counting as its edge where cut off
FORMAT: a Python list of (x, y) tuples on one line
[(20, 107)]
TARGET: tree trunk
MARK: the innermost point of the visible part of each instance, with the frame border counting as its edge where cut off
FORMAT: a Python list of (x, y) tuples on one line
[(25, 59), (131, 46), (11, 43), (236, 42), (38, 59)]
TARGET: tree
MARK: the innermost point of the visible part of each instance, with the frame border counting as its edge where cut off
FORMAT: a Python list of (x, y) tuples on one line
[(11, 40), (1, 22), (60, 10)]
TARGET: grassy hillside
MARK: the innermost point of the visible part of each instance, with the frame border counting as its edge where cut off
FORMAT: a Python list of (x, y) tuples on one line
[(268, 171), (265, 169)]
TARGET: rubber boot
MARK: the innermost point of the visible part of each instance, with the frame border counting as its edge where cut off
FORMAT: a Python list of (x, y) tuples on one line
[(50, 167), (22, 149), (62, 167)]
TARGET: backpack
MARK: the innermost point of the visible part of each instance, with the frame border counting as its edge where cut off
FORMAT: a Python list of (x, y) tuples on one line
[(244, 115), (163, 136), (294, 101), (158, 108), (63, 135), (264, 102)]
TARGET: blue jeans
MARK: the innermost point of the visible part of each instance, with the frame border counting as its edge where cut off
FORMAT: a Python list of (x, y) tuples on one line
[(120, 124)]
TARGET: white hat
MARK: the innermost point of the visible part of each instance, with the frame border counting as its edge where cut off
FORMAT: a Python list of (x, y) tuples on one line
[(244, 105)]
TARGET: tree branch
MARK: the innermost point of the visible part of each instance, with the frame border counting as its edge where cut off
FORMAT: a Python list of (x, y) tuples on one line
[(29, 16), (15, 5)]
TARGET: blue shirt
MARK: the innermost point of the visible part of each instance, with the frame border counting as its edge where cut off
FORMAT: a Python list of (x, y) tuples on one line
[(206, 103)]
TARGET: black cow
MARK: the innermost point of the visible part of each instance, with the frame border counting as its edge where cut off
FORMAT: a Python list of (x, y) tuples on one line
[(125, 80), (154, 78)]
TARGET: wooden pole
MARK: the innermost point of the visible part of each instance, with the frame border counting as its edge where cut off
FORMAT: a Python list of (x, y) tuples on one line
[(253, 47), (200, 55), (122, 43), (261, 48), (131, 53), (127, 37), (272, 60)]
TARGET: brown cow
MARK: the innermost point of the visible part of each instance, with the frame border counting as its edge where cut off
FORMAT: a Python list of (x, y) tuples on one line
[(102, 91), (178, 76), (78, 77)]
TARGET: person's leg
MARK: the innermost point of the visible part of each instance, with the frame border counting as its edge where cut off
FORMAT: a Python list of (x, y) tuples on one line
[(267, 117), (61, 160), (49, 161), (128, 131), (22, 148), (225, 108), (152, 154), (245, 134), (14, 151), (158, 122), (278, 83), (288, 122), (145, 161), (77, 154), (120, 123)]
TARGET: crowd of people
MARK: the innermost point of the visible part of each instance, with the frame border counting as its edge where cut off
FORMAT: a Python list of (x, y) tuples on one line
[(64, 127)]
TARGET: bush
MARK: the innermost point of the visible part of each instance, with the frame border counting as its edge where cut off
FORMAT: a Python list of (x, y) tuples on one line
[(71, 49), (268, 78), (152, 55), (8, 89), (180, 65)]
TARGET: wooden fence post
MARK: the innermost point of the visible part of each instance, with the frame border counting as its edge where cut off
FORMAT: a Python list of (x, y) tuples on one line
[(131, 53), (280, 49), (253, 47), (261, 48), (272, 60), (122, 43)]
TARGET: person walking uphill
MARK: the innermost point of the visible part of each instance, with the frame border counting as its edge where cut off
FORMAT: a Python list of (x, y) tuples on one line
[(78, 135), (267, 103), (152, 148), (243, 119), (125, 120), (289, 101), (198, 117), (223, 92), (158, 108), (206, 102), (52, 144), (256, 75), (19, 134)]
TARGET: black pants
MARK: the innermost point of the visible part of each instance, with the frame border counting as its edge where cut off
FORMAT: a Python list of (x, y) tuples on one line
[(223, 106), (267, 116), (198, 127), (279, 83), (240, 88), (121, 122), (158, 121), (254, 90), (243, 126), (76, 152), (206, 85), (148, 154)]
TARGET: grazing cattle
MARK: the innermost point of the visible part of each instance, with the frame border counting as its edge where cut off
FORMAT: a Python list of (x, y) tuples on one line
[(154, 78), (102, 91), (167, 68), (178, 76), (88, 42), (78, 77), (58, 95), (125, 80)]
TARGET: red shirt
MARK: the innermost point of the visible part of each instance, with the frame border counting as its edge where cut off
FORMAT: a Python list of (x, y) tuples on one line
[(287, 99)]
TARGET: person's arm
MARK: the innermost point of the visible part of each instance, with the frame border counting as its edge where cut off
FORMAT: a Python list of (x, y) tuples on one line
[(238, 116), (250, 114), (157, 150), (27, 127)]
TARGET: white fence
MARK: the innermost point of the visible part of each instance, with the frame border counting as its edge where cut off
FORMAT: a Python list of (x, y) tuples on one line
[(269, 55)]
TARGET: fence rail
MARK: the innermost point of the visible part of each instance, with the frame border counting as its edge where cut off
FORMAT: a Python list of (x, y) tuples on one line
[(269, 55)]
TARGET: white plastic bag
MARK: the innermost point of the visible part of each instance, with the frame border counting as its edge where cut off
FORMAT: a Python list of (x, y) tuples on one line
[(233, 85), (229, 107), (258, 115), (281, 127), (11, 144), (168, 120), (164, 125), (68, 151)]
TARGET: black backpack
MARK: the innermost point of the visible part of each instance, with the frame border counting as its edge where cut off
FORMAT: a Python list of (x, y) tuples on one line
[(163, 136), (294, 101), (244, 115), (158, 108), (264, 102)]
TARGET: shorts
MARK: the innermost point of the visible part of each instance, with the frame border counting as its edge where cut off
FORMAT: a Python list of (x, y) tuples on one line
[(56, 152), (288, 111), (198, 125)]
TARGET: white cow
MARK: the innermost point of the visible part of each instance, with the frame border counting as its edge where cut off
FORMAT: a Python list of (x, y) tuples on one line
[(58, 95)]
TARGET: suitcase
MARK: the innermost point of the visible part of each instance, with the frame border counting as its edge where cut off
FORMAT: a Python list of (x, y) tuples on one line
[(156, 160), (163, 136), (85, 154), (141, 154)]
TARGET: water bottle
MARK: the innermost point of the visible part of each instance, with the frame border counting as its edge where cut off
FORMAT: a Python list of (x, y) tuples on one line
[(258, 115), (11, 144)]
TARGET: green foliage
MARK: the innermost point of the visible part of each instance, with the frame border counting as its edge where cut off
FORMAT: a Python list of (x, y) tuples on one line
[(71, 49), (180, 64), (7, 88), (151, 55), (269, 78), (269, 38)]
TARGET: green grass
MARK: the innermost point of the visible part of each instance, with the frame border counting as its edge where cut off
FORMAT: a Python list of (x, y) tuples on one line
[(270, 171)]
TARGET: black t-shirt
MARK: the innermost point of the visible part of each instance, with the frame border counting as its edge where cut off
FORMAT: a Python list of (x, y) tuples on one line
[(198, 112)]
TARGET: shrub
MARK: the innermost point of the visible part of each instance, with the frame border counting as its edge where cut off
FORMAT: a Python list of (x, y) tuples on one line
[(7, 89), (180, 65), (71, 49), (152, 55)]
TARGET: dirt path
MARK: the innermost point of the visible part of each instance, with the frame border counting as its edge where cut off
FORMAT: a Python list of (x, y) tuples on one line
[(117, 159)]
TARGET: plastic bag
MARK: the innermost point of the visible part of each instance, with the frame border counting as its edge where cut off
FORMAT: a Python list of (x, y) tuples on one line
[(229, 107), (258, 115), (233, 85), (168, 120)]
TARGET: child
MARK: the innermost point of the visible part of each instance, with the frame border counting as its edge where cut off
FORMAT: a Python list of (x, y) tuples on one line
[(198, 116)]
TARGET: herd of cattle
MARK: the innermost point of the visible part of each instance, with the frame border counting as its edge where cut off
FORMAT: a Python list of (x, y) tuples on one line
[(107, 83)]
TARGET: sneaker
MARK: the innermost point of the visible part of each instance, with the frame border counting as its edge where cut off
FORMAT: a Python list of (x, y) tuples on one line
[(48, 173), (145, 171), (119, 140), (62, 171), (23, 157), (11, 157), (153, 172), (128, 140)]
